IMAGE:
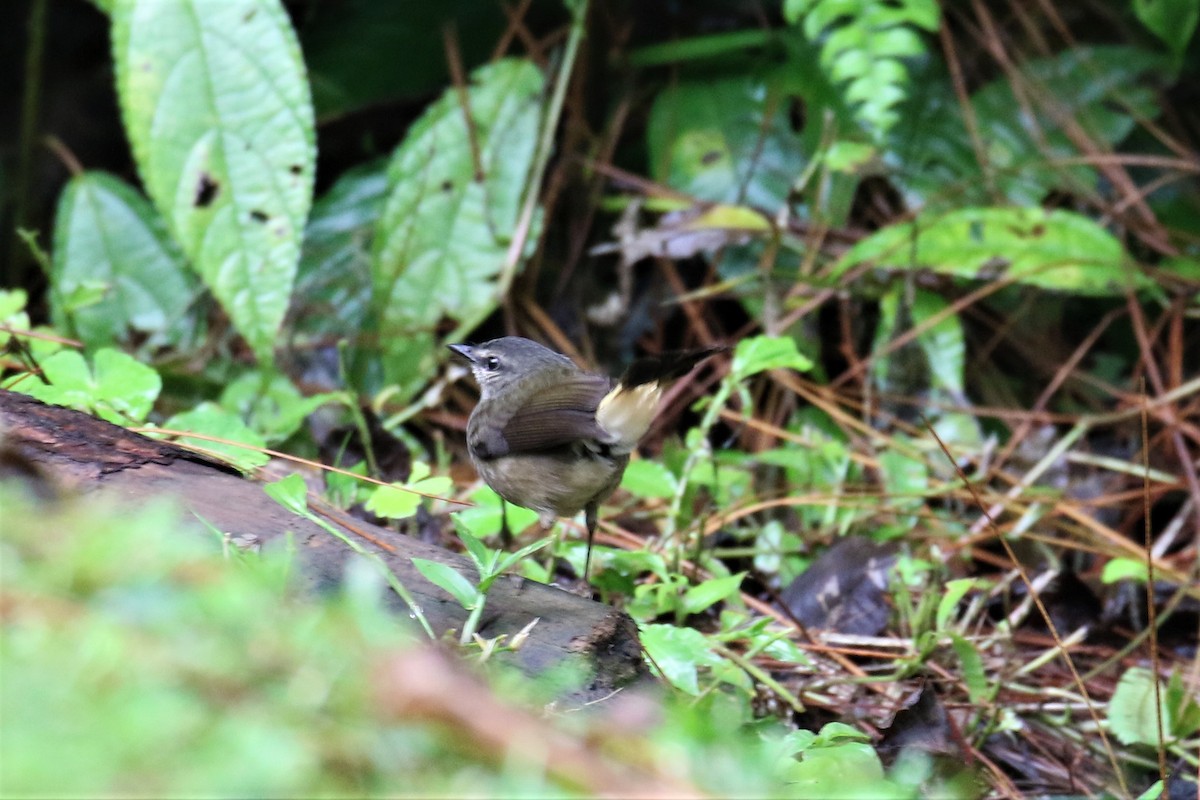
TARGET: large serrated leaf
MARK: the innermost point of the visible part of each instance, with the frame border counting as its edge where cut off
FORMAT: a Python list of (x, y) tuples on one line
[(115, 267), (1057, 250), (217, 108), (445, 231)]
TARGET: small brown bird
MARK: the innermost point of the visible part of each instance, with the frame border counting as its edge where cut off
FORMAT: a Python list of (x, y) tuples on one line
[(551, 437)]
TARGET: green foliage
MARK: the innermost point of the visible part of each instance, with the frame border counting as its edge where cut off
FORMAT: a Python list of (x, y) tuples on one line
[(1172, 21), (13, 316), (680, 653), (725, 141), (128, 634), (217, 108), (483, 519), (117, 272), (131, 637), (271, 405), (1056, 250), (1099, 91), (402, 500), (491, 564), (453, 202), (241, 445), (333, 279), (761, 353), (863, 44), (1134, 716), (350, 49), (115, 386), (649, 479)]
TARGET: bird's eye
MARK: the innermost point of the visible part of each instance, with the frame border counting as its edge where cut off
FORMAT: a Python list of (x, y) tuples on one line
[(492, 363)]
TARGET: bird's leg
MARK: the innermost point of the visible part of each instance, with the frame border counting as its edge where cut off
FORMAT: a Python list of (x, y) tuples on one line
[(589, 517), (506, 537)]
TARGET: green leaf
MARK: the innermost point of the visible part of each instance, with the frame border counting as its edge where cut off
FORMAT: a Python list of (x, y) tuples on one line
[(941, 346), (848, 770), (905, 478), (211, 419), (955, 591), (393, 502), (401, 500), (478, 551), (1131, 711), (678, 652), (271, 404), (116, 269), (117, 387), (699, 597), (1122, 569), (1184, 707), (1154, 792), (290, 492), (450, 579), (445, 232), (216, 105), (332, 299), (484, 518), (509, 559), (972, 669), (68, 381), (760, 353), (725, 141), (1101, 90), (12, 313), (861, 42), (125, 384), (1057, 250), (1173, 21), (836, 733), (770, 543), (644, 478)]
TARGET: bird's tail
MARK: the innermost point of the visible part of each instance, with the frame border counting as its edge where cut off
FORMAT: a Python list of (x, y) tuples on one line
[(629, 409)]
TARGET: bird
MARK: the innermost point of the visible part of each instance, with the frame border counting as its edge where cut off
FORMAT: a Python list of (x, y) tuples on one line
[(554, 438)]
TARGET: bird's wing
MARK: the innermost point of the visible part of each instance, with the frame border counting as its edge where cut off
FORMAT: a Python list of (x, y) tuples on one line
[(557, 416)]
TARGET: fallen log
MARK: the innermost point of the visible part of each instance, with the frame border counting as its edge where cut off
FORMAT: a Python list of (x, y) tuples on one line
[(81, 453)]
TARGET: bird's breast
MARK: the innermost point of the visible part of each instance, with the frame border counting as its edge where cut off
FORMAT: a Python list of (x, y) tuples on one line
[(559, 483)]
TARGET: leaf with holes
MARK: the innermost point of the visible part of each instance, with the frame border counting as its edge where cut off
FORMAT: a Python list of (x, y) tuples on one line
[(445, 231), (217, 108)]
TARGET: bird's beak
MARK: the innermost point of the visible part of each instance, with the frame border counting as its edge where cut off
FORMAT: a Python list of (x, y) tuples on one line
[(464, 350)]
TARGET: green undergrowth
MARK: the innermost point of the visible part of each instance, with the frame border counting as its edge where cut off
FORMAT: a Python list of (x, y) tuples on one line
[(124, 637)]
